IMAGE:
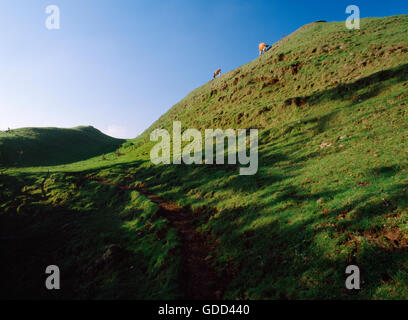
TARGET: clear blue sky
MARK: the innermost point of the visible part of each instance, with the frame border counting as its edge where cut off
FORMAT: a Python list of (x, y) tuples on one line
[(120, 64)]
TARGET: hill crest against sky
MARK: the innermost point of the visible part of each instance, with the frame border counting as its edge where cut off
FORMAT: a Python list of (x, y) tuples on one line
[(119, 67), (313, 64), (52, 146)]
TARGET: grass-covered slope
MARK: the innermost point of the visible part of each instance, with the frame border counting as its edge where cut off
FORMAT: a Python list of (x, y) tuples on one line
[(108, 243), (321, 66), (52, 146), (331, 190)]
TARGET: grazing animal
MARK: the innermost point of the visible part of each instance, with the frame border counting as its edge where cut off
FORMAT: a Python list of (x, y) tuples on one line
[(216, 73), (263, 47)]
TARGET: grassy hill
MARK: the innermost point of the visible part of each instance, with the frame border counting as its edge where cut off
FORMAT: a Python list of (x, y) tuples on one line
[(321, 66), (331, 190), (51, 146)]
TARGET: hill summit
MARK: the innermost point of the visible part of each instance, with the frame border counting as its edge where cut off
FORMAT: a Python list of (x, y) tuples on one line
[(51, 146)]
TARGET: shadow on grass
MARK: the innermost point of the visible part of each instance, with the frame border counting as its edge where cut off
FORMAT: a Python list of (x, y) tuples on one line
[(96, 235), (277, 242), (273, 247)]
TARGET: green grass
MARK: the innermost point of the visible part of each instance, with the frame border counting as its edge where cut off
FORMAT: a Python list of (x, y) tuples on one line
[(72, 226), (50, 146), (331, 189)]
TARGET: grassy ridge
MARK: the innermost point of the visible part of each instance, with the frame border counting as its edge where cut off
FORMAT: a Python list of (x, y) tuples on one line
[(51, 146), (331, 106)]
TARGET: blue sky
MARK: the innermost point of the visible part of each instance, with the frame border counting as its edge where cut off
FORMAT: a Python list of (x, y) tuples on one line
[(119, 64)]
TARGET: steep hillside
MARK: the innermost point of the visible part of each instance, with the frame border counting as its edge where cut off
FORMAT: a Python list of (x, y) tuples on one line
[(52, 146), (331, 189), (320, 67)]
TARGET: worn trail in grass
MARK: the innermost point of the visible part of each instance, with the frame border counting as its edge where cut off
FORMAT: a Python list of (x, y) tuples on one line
[(198, 279)]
